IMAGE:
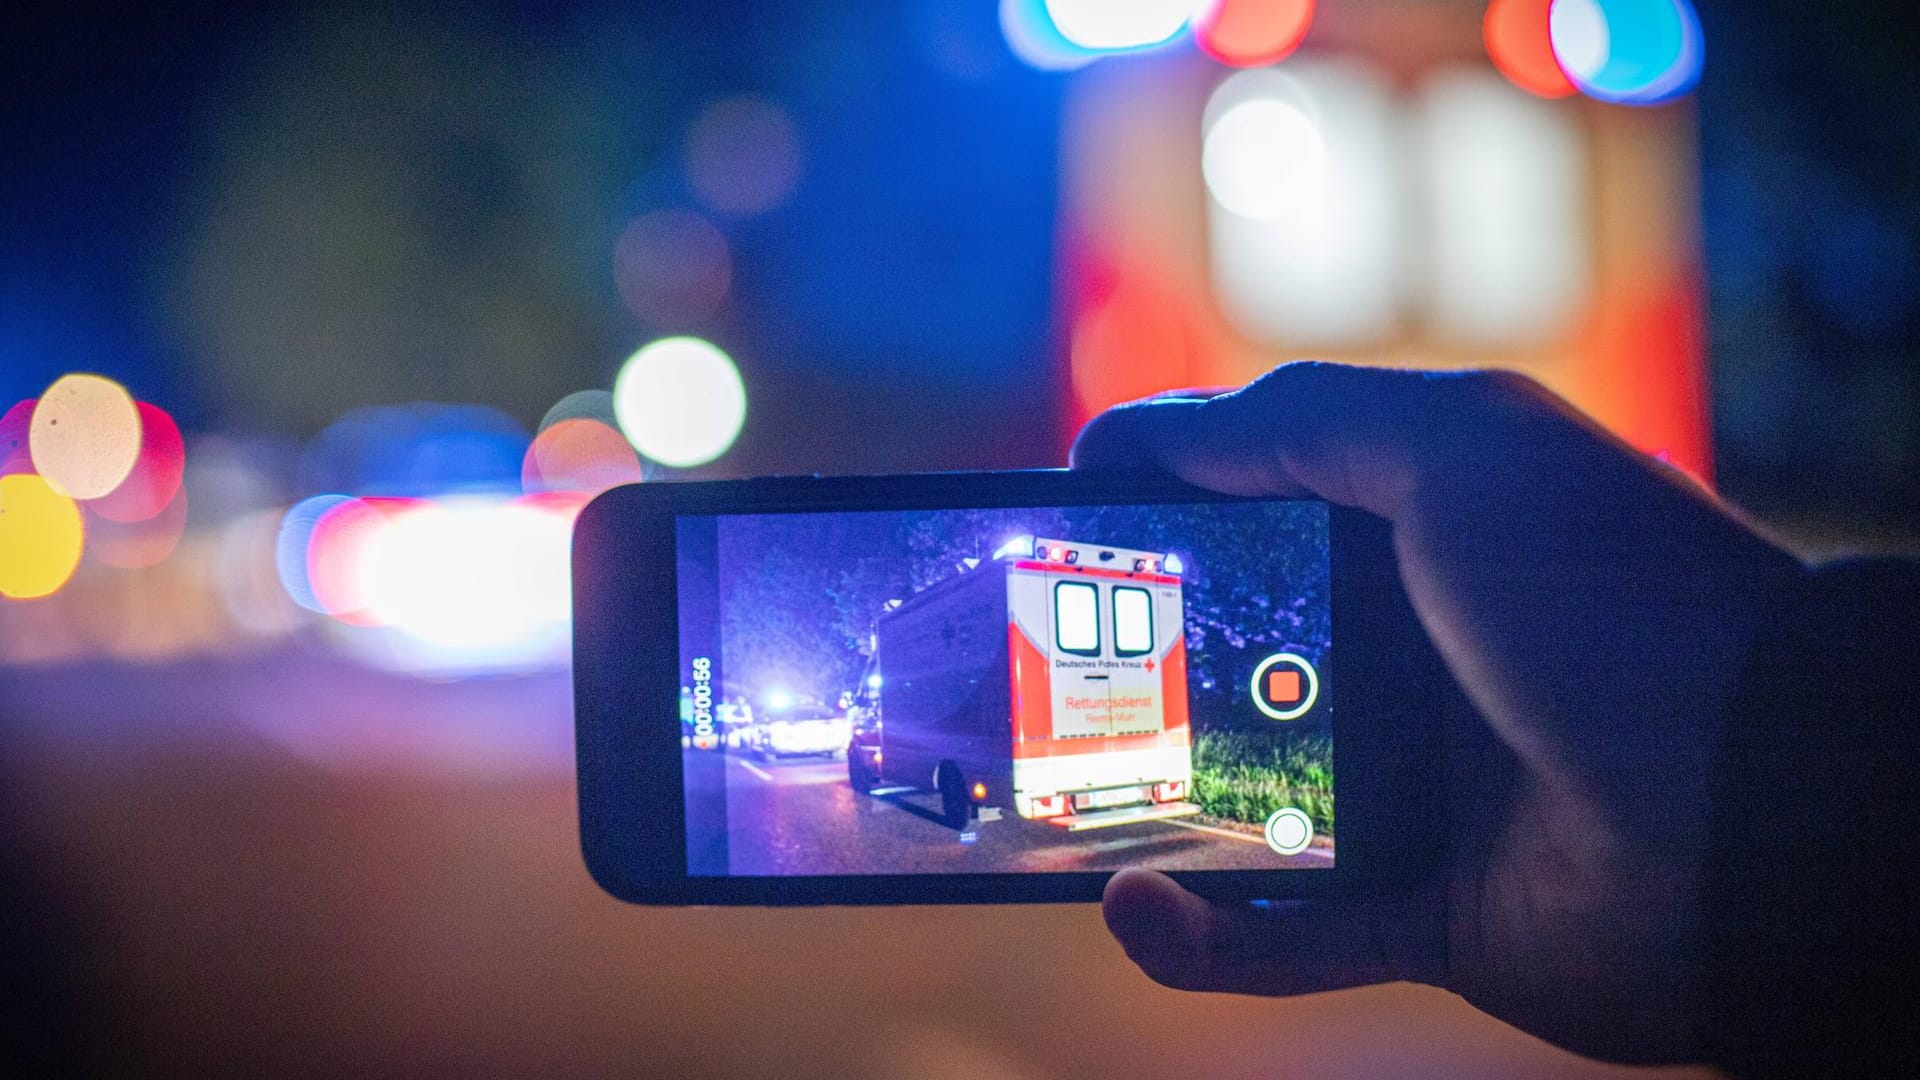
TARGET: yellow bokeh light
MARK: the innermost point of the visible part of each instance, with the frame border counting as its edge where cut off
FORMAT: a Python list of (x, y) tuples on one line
[(40, 537), (85, 435)]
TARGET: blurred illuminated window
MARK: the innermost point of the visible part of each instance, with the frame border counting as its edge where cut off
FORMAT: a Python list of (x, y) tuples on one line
[(1316, 243), (1301, 164), (1505, 199)]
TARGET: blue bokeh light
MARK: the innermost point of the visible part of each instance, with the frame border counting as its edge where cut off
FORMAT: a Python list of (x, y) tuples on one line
[(291, 544), (1628, 52), (1039, 44), (415, 450)]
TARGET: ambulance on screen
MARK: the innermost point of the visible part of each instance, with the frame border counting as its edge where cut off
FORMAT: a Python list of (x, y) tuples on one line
[(1049, 681)]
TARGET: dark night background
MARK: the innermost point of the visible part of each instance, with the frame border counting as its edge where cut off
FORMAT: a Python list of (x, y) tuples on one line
[(431, 167), (1810, 157)]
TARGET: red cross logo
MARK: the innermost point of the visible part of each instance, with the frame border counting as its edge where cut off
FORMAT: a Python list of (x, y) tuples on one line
[(1149, 663)]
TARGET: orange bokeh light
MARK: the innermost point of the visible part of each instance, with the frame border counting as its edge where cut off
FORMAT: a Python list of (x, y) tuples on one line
[(1138, 341), (1518, 43), (581, 455), (1250, 33)]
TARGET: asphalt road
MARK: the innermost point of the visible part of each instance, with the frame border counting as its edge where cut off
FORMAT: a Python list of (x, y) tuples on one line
[(802, 817), (282, 863)]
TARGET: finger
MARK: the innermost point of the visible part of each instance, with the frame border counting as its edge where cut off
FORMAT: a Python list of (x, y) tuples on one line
[(1190, 393), (1366, 437), (1185, 942), (1173, 435), (1110, 441)]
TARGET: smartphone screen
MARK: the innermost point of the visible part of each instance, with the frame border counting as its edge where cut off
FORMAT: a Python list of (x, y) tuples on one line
[(1007, 690)]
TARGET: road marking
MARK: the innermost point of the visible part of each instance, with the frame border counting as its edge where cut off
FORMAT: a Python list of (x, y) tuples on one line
[(757, 771), (1214, 831), (1317, 852)]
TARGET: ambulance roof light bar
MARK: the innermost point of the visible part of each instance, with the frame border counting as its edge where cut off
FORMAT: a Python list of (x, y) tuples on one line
[(1063, 552)]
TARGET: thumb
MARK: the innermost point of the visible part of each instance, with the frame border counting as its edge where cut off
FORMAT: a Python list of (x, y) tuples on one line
[(1188, 943), (1164, 929)]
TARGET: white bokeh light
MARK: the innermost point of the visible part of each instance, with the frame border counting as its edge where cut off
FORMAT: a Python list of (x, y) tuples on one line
[(1306, 220), (1581, 41), (1263, 157), (1118, 24), (680, 401), (85, 435), (476, 575)]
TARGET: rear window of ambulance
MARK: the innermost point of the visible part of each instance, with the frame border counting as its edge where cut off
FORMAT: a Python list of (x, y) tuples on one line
[(1132, 621), (1076, 617)]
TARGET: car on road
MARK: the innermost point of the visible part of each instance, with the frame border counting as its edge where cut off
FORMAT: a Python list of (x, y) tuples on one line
[(800, 731), (735, 720)]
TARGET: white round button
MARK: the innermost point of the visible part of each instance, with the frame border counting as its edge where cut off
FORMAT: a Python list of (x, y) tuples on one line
[(1289, 831)]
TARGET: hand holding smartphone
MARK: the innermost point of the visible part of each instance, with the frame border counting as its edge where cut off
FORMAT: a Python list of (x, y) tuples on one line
[(991, 688)]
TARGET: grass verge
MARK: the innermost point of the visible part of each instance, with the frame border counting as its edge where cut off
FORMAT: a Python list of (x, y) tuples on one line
[(1245, 777)]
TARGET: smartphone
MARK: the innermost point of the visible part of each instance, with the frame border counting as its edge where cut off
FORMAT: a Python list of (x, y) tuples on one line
[(990, 688)]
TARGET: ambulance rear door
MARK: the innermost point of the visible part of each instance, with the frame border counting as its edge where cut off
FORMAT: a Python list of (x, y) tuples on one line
[(1077, 651), (1136, 612)]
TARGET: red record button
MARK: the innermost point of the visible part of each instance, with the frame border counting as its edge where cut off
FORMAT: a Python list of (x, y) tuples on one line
[(1285, 686)]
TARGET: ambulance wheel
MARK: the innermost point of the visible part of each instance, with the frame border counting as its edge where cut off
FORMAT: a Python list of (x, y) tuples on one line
[(858, 774), (955, 810)]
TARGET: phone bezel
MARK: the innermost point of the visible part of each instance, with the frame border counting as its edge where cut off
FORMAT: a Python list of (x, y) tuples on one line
[(626, 649)]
